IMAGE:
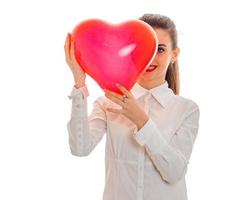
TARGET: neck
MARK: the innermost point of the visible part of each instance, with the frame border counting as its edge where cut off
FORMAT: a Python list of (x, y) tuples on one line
[(149, 84)]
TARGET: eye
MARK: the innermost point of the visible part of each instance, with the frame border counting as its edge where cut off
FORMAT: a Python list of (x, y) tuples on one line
[(160, 50)]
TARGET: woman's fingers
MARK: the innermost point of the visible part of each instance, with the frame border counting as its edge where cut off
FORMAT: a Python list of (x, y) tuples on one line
[(113, 94), (115, 98), (69, 45), (67, 48), (72, 55), (125, 91), (118, 96)]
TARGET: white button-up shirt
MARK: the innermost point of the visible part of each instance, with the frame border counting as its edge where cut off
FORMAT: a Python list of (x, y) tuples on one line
[(145, 164)]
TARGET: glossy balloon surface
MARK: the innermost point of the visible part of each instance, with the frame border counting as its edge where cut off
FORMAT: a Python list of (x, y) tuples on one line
[(114, 53)]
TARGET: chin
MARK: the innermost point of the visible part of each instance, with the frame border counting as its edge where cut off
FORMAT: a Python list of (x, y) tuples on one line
[(145, 77)]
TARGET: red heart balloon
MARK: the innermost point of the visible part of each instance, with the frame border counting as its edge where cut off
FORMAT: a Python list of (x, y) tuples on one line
[(111, 53)]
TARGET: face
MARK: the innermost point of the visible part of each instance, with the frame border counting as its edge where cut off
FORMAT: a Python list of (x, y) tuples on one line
[(156, 71)]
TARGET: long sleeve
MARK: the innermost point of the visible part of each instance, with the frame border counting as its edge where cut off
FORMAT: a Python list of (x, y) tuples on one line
[(85, 132), (170, 156)]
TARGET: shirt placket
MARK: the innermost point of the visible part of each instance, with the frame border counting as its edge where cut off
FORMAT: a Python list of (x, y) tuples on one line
[(141, 157)]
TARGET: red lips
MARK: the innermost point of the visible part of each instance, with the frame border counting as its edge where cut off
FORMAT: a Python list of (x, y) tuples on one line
[(151, 68)]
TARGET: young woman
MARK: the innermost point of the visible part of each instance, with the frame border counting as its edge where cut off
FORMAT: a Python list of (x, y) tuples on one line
[(150, 130)]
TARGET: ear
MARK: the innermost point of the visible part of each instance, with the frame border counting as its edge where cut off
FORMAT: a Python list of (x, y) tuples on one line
[(175, 53)]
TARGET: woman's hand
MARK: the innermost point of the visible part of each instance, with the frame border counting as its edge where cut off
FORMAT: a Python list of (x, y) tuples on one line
[(130, 108), (78, 73)]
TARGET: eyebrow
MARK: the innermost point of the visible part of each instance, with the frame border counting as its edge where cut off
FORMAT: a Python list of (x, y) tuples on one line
[(162, 45)]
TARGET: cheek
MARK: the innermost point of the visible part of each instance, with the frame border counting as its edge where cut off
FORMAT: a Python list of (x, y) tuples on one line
[(163, 61), (162, 69), (164, 57), (163, 64)]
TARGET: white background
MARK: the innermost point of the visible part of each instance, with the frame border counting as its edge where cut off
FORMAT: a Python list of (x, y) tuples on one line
[(35, 159)]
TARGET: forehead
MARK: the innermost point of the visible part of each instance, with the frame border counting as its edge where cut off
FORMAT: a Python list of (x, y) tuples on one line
[(163, 36)]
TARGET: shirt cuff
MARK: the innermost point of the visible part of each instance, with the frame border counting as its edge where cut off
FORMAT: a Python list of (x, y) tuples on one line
[(75, 91), (150, 136)]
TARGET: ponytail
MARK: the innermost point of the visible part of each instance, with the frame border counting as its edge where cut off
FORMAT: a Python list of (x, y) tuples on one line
[(172, 77)]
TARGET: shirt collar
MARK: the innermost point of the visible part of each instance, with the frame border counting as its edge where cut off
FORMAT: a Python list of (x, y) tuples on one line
[(161, 93)]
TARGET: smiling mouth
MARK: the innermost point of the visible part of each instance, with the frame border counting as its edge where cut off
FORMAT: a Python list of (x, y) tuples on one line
[(151, 68)]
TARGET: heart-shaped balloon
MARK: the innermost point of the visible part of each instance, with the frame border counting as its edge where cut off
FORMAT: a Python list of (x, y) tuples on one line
[(114, 53)]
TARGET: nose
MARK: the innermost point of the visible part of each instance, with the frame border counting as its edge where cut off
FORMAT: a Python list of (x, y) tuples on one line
[(154, 61)]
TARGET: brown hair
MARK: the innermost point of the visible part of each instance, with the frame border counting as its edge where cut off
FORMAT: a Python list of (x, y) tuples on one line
[(164, 22)]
